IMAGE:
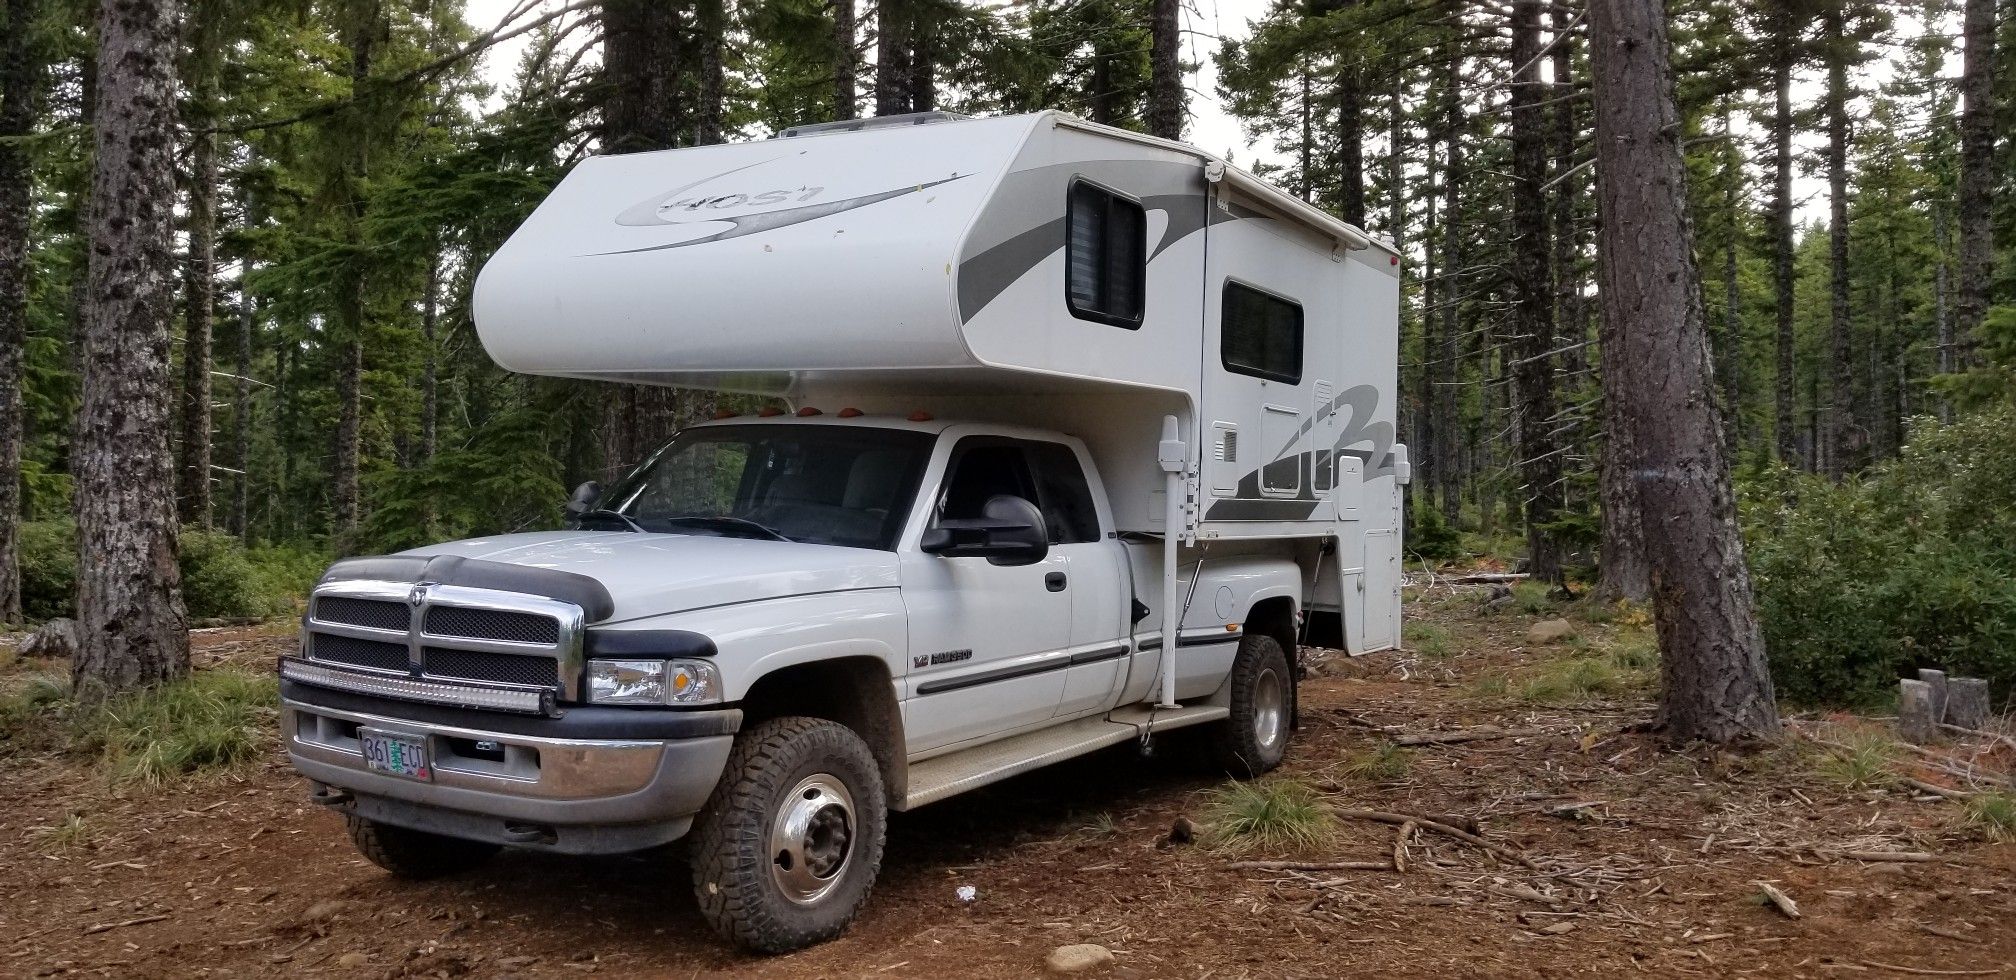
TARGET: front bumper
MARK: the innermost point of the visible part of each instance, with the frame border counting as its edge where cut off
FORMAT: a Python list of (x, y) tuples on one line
[(596, 780)]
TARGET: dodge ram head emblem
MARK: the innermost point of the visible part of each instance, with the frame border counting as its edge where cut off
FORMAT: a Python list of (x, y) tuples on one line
[(418, 596)]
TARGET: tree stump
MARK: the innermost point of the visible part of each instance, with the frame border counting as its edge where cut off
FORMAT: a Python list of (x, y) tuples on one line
[(1936, 678), (1915, 721), (1967, 702)]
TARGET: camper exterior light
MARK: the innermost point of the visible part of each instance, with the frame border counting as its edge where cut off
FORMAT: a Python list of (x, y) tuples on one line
[(1159, 454)]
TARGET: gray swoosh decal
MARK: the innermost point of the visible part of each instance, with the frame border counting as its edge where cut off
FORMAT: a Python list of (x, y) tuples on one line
[(645, 213), (751, 224)]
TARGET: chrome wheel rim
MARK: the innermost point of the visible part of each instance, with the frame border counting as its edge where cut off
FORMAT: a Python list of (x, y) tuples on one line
[(812, 838), (1270, 709)]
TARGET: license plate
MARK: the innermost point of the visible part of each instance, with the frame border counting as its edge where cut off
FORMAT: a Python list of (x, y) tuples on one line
[(397, 755)]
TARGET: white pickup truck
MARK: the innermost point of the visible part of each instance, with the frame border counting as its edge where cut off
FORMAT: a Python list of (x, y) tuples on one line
[(783, 625)]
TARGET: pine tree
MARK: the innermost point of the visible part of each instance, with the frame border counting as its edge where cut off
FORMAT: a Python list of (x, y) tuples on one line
[(132, 627)]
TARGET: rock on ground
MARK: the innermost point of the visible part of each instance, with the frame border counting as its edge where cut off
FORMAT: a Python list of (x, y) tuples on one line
[(1078, 958), (56, 639), (1550, 631)]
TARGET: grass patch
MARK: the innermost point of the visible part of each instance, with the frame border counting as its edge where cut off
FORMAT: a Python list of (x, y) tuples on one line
[(1272, 815), (1099, 827), (1490, 686), (1429, 640), (1383, 762), (213, 720), (1578, 679), (24, 708), (75, 832), (1865, 765), (1532, 598), (1994, 814)]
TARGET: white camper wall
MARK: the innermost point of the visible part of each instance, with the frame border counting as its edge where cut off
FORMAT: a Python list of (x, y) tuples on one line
[(746, 266)]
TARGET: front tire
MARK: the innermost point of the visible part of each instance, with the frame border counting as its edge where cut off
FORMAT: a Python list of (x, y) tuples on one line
[(790, 843), (415, 854), (1255, 738)]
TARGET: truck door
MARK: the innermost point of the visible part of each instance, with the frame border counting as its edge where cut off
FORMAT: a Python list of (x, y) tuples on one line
[(989, 644), (1095, 577)]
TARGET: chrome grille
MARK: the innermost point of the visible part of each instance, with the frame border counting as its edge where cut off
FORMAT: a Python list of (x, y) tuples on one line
[(378, 614), (502, 668), (374, 654), (452, 632), (491, 624)]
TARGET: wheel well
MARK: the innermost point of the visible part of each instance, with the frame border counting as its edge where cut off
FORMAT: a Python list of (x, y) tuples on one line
[(1276, 618), (854, 691)]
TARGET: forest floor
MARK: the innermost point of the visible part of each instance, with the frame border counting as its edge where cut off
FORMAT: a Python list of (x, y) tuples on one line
[(1608, 855)]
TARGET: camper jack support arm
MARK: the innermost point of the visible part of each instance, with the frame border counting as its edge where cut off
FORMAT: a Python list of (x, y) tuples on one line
[(1174, 456)]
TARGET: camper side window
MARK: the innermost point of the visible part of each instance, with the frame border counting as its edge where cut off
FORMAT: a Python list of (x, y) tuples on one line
[(1106, 256), (1261, 334)]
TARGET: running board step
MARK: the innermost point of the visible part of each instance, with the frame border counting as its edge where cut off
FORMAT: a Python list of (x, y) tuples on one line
[(949, 775)]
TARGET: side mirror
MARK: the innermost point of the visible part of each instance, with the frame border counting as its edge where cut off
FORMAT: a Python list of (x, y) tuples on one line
[(1009, 531), (584, 498)]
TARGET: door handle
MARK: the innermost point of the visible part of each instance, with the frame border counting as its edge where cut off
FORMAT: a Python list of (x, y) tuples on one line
[(1054, 581)]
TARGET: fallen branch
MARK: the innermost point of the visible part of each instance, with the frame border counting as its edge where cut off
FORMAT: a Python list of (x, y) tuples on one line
[(1911, 857), (1485, 733), (1526, 893), (1778, 898), (1309, 866), (109, 926), (1400, 846), (1441, 828), (1922, 972), (1991, 736), (1935, 789), (1488, 578)]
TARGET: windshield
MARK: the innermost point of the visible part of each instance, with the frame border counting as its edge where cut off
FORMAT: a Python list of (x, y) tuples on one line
[(821, 484)]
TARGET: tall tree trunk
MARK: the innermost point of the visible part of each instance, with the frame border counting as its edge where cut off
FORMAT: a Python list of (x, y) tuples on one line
[(893, 29), (241, 408), (1448, 462), (846, 61), (1942, 309), (1568, 317), (711, 28), (1428, 434), (923, 81), (640, 48), (1350, 146), (20, 82), (1533, 306), (430, 396), (1785, 428), (1717, 687), (1165, 69), (361, 37), (199, 275), (1732, 293), (1304, 183), (1977, 176), (1841, 421), (133, 630)]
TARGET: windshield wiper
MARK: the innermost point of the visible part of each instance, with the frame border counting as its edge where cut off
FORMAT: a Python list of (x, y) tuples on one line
[(735, 522), (605, 513)]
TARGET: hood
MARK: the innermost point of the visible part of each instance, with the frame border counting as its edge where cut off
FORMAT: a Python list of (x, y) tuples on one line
[(655, 574)]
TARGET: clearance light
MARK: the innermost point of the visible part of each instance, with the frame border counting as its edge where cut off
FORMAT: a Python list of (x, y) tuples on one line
[(808, 411), (770, 412), (850, 413), (725, 414), (920, 415)]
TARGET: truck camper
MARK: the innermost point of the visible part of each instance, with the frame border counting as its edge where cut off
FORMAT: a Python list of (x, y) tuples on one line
[(1088, 433)]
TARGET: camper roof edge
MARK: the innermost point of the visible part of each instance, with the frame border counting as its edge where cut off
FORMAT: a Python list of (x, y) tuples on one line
[(1351, 235)]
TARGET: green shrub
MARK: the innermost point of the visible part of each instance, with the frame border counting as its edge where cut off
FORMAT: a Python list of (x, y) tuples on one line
[(1431, 539), (1384, 762), (211, 720), (220, 577), (1912, 564), (48, 570)]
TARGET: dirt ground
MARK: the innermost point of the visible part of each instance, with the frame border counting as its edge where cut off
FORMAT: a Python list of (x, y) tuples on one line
[(1608, 856)]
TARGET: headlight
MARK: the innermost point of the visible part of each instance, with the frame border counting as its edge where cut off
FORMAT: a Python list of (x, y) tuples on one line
[(653, 682)]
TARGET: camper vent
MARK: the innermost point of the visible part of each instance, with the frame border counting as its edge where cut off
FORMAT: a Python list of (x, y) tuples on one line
[(1228, 447)]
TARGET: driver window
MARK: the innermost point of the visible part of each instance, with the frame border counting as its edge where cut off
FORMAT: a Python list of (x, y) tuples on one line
[(983, 468)]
